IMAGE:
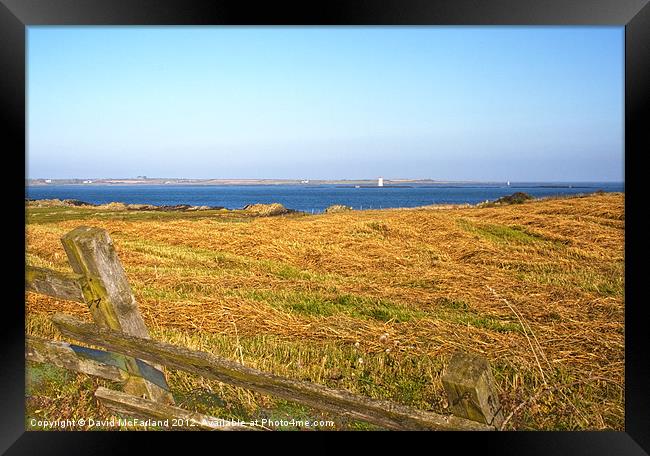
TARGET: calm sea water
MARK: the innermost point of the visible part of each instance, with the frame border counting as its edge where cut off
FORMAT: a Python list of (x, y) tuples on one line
[(309, 197)]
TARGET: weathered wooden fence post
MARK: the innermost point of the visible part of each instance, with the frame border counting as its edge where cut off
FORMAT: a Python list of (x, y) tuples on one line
[(470, 389), (110, 300)]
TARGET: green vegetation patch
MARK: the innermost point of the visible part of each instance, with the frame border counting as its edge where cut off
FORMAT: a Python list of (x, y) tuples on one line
[(54, 394), (41, 377), (42, 215), (190, 256), (603, 281), (205, 258), (323, 305), (288, 272), (290, 416), (515, 198), (459, 311), (502, 233), (38, 215)]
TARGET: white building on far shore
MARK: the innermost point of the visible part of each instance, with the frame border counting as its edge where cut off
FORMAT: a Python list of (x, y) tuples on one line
[(380, 182)]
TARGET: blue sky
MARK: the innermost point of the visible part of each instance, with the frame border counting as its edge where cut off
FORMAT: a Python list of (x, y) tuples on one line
[(450, 103)]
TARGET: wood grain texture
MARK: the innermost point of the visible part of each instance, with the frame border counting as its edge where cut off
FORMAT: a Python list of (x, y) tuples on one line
[(62, 354), (470, 389), (107, 291), (382, 413), (56, 284)]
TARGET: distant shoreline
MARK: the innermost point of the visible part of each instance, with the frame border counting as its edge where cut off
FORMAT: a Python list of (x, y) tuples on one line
[(363, 183), (177, 181), (309, 197), (278, 208)]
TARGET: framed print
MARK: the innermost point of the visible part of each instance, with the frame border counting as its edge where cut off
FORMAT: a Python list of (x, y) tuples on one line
[(350, 218)]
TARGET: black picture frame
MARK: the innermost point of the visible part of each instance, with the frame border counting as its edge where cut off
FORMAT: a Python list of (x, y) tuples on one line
[(16, 15)]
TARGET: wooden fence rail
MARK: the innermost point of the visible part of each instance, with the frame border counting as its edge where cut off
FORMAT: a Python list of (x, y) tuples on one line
[(381, 413), (53, 283), (67, 356), (136, 361)]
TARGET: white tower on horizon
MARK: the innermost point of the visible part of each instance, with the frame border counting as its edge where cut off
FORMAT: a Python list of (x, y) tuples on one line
[(380, 182)]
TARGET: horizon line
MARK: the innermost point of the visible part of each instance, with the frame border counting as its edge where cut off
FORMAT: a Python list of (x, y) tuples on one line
[(147, 178)]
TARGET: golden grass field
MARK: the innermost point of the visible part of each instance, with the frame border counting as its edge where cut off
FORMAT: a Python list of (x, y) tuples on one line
[(371, 301)]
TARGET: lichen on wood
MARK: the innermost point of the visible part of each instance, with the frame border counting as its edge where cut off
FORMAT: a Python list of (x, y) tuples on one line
[(470, 389), (56, 284), (110, 300)]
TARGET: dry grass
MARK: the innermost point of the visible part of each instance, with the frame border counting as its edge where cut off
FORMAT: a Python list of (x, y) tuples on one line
[(538, 288)]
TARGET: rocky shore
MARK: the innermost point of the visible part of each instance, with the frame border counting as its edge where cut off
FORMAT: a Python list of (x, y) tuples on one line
[(252, 209), (117, 206), (258, 210)]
